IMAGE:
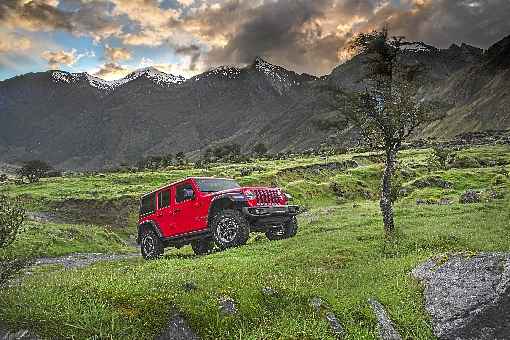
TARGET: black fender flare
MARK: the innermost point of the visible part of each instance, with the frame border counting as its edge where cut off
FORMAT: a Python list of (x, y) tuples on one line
[(231, 200), (148, 224)]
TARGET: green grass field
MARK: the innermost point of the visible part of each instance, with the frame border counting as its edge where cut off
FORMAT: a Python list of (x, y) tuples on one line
[(339, 253)]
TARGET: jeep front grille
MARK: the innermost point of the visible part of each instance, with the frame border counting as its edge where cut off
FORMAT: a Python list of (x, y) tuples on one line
[(267, 196)]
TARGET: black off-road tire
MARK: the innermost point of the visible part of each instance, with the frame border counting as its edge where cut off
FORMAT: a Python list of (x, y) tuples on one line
[(229, 228), (150, 244), (203, 246), (287, 230)]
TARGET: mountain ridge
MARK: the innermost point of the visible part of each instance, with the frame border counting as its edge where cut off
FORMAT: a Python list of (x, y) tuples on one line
[(76, 120)]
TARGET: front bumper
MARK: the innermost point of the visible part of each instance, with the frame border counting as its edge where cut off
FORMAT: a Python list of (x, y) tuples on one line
[(271, 211)]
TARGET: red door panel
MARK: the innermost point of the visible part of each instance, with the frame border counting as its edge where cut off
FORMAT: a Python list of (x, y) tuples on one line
[(186, 203), (164, 214)]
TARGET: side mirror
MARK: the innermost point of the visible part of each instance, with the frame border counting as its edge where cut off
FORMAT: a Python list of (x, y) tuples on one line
[(188, 194)]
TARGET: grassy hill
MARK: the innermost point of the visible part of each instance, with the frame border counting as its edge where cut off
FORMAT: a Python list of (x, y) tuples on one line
[(339, 253)]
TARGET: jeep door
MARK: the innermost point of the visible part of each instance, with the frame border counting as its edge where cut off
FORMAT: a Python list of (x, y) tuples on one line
[(185, 210), (164, 214)]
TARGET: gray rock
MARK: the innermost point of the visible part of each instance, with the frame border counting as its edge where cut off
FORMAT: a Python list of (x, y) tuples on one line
[(320, 306), (268, 291), (432, 181), (470, 196), (335, 325), (227, 306), (177, 329), (468, 297), (386, 328), (19, 335), (445, 201)]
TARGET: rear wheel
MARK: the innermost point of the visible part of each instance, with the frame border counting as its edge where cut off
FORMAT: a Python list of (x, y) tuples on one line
[(202, 247), (150, 245), (286, 230), (229, 228)]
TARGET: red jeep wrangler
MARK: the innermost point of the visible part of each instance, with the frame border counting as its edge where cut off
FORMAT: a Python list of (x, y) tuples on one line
[(207, 211)]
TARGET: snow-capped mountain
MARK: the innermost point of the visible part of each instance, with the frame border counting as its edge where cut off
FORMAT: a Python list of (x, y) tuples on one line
[(281, 80), (157, 77)]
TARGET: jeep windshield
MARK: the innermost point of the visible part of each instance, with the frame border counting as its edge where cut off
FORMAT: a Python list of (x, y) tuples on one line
[(216, 184)]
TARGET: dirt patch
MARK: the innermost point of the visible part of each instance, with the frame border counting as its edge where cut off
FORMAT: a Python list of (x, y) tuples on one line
[(102, 212), (81, 259), (42, 216)]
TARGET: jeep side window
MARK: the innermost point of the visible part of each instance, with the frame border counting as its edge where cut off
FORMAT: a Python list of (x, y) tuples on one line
[(164, 199), (184, 192), (148, 204)]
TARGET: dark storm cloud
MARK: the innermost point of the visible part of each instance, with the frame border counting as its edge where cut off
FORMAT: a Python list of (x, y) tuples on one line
[(310, 35), (304, 35), (91, 17), (286, 32), (441, 22), (33, 13)]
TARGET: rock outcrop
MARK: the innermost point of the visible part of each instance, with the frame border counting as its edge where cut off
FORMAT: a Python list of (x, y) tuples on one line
[(468, 297)]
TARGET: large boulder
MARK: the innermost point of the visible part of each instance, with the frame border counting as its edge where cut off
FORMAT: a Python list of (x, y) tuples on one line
[(468, 297)]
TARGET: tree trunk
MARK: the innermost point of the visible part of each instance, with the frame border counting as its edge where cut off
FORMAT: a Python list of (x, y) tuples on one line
[(386, 202)]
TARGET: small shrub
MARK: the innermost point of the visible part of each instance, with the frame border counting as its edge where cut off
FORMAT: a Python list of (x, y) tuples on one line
[(337, 189), (12, 215), (442, 157), (465, 162), (33, 170), (490, 195), (249, 170), (499, 179), (503, 171)]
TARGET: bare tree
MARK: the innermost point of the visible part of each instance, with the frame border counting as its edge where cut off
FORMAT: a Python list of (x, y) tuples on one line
[(387, 111)]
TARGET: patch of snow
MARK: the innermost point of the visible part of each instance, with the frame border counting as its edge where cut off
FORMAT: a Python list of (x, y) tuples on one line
[(279, 77), (229, 72), (64, 77), (159, 78)]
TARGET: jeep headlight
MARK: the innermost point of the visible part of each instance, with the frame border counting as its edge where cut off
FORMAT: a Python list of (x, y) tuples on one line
[(250, 195)]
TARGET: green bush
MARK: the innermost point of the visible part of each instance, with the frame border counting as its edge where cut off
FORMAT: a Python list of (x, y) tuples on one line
[(442, 157), (499, 179), (12, 215), (465, 162)]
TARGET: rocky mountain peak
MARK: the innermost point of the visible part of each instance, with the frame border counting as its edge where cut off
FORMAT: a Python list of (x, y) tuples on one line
[(156, 76), (498, 55)]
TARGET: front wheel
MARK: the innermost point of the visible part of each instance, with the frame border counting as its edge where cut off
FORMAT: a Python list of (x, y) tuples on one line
[(150, 245), (286, 230), (229, 229)]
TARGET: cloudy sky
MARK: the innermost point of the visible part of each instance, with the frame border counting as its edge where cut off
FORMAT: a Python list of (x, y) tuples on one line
[(110, 38)]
